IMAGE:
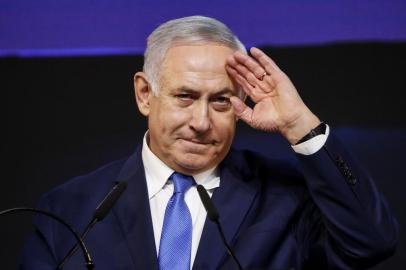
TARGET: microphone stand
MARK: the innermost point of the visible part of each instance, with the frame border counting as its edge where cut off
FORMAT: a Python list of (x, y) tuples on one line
[(99, 214), (86, 254), (214, 216)]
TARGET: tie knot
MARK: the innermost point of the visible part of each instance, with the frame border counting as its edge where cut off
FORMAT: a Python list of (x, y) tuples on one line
[(181, 182)]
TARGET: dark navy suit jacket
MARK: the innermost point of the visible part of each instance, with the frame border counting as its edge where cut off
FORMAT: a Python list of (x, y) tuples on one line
[(325, 213)]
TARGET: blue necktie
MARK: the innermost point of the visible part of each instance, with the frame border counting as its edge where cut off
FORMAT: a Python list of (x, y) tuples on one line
[(176, 238)]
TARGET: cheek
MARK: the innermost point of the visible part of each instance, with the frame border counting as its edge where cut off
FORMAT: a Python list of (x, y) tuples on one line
[(168, 124), (225, 126), (174, 119)]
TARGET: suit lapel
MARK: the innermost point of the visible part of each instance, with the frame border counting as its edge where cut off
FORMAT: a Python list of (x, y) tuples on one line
[(233, 199), (134, 216)]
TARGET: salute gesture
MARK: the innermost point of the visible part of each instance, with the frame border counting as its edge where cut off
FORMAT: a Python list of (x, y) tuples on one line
[(278, 106)]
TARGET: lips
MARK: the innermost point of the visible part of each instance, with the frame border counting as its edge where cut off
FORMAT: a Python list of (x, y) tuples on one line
[(195, 140), (199, 142), (195, 146)]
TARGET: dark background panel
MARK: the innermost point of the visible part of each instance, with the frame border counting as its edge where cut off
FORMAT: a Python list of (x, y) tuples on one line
[(63, 117)]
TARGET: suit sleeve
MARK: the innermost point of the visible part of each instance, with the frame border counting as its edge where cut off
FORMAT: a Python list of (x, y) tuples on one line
[(355, 228)]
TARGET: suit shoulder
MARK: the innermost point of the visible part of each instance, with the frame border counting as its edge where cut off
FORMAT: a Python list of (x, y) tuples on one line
[(82, 188)]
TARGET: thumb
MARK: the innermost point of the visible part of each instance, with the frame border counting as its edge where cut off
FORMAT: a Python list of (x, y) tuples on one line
[(241, 110)]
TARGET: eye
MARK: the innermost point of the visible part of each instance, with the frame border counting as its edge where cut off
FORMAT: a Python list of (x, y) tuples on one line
[(222, 100), (184, 99), (221, 103), (184, 96)]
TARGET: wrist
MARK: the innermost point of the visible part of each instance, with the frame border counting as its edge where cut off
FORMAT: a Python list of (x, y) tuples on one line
[(319, 130), (300, 128)]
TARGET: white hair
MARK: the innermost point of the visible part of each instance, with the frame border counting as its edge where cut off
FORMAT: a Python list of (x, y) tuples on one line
[(189, 30)]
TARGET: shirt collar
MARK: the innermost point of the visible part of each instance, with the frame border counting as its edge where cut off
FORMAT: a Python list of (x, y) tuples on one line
[(159, 172)]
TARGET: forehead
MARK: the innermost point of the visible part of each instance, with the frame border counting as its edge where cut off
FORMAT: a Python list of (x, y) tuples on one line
[(204, 53), (200, 66)]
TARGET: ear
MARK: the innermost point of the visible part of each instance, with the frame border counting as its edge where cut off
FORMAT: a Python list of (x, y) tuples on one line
[(143, 92)]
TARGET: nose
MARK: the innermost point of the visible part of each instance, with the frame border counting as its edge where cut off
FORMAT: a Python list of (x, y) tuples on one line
[(200, 121)]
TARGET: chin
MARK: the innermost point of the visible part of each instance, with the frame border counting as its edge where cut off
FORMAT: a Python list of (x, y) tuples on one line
[(193, 166)]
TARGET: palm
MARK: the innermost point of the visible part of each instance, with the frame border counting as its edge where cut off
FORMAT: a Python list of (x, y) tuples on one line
[(277, 103)]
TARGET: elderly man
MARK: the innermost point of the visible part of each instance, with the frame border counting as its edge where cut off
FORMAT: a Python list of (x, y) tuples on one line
[(327, 214)]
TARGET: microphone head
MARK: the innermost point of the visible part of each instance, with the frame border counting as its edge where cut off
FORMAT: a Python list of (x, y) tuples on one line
[(104, 207), (212, 212)]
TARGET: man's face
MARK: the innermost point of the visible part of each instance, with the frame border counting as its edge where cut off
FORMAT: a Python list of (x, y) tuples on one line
[(191, 122)]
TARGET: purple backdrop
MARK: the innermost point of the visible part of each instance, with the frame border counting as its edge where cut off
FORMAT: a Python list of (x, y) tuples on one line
[(86, 27)]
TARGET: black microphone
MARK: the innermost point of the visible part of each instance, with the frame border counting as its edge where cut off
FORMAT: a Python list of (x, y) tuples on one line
[(99, 214), (214, 216), (86, 254), (108, 202)]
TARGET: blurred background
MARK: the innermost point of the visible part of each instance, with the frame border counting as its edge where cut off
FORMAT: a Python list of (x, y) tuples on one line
[(66, 69)]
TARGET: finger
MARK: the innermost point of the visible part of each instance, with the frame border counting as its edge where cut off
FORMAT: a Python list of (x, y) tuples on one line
[(240, 80), (247, 74), (231, 61), (269, 65), (250, 64), (242, 110), (264, 85), (269, 81), (248, 89), (255, 93)]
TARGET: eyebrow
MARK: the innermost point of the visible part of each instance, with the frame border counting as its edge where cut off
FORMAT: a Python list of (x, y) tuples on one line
[(193, 91)]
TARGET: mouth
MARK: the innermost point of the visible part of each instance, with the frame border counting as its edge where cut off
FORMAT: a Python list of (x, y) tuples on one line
[(196, 141)]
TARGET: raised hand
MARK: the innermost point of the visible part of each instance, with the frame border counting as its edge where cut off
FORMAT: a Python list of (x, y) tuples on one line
[(278, 106)]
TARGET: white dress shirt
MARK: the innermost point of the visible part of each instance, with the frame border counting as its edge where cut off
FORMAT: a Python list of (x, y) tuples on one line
[(160, 189), (313, 145)]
